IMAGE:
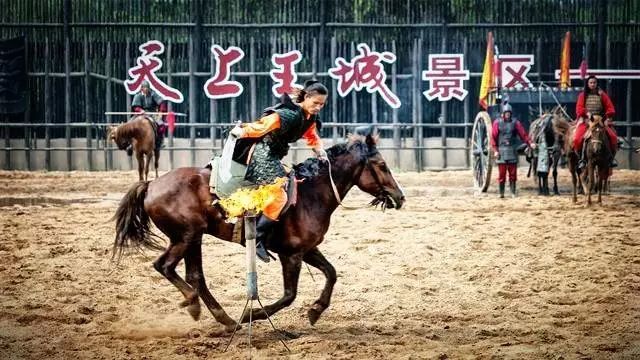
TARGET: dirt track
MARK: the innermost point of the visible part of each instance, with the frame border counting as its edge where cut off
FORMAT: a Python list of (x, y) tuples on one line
[(452, 275)]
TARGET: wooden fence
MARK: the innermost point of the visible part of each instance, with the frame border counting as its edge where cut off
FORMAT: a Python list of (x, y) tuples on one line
[(78, 56)]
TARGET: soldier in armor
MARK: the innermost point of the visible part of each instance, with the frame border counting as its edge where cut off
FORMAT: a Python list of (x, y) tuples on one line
[(594, 101), (148, 101), (262, 145), (503, 136)]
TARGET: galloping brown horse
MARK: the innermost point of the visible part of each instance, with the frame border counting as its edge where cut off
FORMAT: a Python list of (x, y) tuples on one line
[(179, 204), (140, 133)]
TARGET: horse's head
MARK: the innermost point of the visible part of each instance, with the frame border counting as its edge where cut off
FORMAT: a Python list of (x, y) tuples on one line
[(598, 138), (376, 177), (112, 134)]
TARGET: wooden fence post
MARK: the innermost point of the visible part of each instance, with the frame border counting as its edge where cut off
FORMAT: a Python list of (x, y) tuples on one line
[(170, 107), (629, 119), (193, 100), (87, 102), (394, 114), (108, 160), (47, 105)]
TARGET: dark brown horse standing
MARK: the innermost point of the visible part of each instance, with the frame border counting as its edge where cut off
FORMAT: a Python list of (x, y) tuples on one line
[(141, 133), (598, 154), (179, 204)]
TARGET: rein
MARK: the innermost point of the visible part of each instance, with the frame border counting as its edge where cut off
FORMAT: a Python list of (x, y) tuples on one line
[(336, 194)]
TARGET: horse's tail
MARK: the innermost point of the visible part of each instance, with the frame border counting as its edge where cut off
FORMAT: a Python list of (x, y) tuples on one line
[(132, 223)]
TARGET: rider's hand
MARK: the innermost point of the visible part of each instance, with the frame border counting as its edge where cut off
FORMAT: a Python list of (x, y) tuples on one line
[(533, 146), (236, 132), (608, 121), (497, 154), (321, 154)]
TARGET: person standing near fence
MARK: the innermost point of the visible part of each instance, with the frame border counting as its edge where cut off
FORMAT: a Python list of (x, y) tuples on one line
[(148, 101), (503, 136)]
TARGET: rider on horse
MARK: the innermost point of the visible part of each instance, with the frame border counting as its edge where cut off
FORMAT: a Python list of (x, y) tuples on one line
[(594, 101), (148, 101), (262, 144), (504, 132)]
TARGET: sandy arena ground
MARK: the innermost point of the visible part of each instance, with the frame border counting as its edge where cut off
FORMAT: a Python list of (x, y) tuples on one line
[(452, 275)]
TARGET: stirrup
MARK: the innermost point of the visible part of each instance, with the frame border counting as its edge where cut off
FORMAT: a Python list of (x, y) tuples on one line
[(613, 163), (261, 252)]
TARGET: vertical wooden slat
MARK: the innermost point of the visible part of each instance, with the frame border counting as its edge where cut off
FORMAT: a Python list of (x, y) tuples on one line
[(213, 105), (466, 104), (47, 105), (394, 114), (354, 96), (193, 100), (334, 94), (415, 97), (538, 59), (27, 116), (628, 116), (374, 96), (127, 60), (252, 79), (87, 102), (67, 79), (607, 84), (443, 104), (108, 106), (170, 107)]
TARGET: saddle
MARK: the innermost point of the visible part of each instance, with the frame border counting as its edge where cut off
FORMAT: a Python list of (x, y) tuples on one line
[(158, 130), (225, 186)]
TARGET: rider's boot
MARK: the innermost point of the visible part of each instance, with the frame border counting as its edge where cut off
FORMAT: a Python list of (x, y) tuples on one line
[(501, 187), (583, 157), (512, 188), (612, 160), (263, 229)]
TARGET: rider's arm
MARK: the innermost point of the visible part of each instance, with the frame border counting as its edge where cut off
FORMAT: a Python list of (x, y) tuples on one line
[(494, 135), (312, 138), (261, 127), (522, 133), (609, 110)]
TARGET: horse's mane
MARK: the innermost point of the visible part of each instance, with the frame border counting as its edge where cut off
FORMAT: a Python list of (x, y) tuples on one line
[(128, 130), (312, 167), (560, 124)]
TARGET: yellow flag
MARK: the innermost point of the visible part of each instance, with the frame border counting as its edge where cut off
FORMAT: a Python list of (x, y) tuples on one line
[(565, 59), (488, 75)]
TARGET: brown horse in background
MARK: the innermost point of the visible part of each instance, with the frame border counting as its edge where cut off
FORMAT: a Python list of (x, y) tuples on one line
[(598, 154), (139, 132), (180, 205)]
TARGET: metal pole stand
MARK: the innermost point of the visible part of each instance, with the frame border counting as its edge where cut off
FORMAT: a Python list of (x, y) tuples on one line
[(252, 281)]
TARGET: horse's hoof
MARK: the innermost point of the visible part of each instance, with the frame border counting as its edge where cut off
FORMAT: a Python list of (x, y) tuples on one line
[(231, 327), (314, 314), (194, 310)]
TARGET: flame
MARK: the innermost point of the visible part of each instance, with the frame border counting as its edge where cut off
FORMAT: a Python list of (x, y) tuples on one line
[(251, 199)]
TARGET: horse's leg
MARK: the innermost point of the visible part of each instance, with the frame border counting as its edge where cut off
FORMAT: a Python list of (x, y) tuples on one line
[(195, 278), (140, 158), (556, 159), (591, 183), (574, 181), (156, 160), (166, 265), (146, 165), (317, 260), (290, 274)]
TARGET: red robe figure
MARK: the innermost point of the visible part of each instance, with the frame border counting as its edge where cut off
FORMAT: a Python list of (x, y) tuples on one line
[(594, 101), (503, 136)]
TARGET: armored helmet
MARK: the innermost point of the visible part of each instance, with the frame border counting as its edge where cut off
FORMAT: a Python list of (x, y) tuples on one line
[(507, 107)]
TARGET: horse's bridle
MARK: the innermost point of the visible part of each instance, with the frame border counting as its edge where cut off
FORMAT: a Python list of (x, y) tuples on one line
[(367, 164)]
